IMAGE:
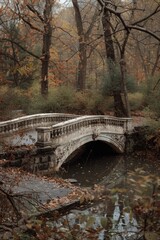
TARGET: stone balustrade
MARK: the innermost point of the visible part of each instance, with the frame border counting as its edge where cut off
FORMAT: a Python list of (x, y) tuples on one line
[(33, 121), (50, 136)]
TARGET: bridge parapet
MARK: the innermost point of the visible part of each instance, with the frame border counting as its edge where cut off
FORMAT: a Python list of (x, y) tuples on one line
[(33, 121), (59, 133)]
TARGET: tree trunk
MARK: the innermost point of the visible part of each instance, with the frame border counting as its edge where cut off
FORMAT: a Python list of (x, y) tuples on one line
[(15, 72), (82, 66), (47, 35), (123, 82), (120, 110)]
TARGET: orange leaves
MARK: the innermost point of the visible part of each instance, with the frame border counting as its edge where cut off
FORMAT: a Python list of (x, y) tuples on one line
[(53, 81), (75, 194)]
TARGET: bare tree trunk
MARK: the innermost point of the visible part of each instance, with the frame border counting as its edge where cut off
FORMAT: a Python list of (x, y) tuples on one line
[(123, 74), (15, 73), (123, 82), (82, 67), (120, 110), (83, 39), (47, 35), (81, 77)]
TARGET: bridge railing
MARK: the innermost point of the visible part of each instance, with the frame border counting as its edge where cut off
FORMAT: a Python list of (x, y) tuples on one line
[(33, 121), (47, 134)]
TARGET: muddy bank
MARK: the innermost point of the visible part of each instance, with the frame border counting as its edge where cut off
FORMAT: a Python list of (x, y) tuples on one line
[(36, 194)]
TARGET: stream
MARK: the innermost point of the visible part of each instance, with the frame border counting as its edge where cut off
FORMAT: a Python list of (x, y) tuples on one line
[(123, 183)]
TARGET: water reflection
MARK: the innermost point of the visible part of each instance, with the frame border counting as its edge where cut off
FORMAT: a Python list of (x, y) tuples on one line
[(92, 165), (130, 187)]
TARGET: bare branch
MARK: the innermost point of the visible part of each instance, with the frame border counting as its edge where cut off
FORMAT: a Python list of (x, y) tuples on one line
[(27, 20), (142, 29), (32, 9), (157, 10), (20, 46)]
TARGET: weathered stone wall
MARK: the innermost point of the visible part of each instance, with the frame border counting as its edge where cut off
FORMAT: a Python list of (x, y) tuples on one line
[(137, 139)]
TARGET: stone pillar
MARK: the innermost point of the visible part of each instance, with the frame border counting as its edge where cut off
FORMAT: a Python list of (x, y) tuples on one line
[(129, 125), (43, 138)]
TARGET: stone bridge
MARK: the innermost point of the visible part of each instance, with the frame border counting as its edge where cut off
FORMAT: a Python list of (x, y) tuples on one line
[(64, 138), (58, 136), (21, 131)]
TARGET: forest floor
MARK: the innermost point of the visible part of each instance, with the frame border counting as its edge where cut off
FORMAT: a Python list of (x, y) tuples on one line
[(46, 193)]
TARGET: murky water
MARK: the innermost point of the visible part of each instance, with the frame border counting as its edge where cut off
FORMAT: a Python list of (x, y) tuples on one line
[(128, 189), (93, 164), (99, 163)]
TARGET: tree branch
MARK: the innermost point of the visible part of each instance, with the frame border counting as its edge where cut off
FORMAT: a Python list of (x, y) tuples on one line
[(32, 9), (20, 46), (11, 200), (27, 21), (147, 17), (142, 29)]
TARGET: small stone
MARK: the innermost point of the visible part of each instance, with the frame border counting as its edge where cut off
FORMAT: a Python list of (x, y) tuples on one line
[(7, 236), (72, 180), (23, 228)]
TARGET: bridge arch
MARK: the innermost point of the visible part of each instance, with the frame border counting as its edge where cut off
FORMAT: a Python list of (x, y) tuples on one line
[(63, 152)]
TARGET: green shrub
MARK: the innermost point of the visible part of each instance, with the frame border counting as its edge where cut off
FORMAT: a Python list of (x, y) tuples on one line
[(12, 99), (136, 101), (154, 104), (151, 91), (113, 82), (66, 99), (92, 102), (59, 99), (132, 86)]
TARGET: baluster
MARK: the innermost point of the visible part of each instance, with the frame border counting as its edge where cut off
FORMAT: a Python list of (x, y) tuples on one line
[(5, 129), (8, 128), (64, 130), (2, 129), (36, 121), (15, 127), (72, 127), (53, 134), (56, 132)]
